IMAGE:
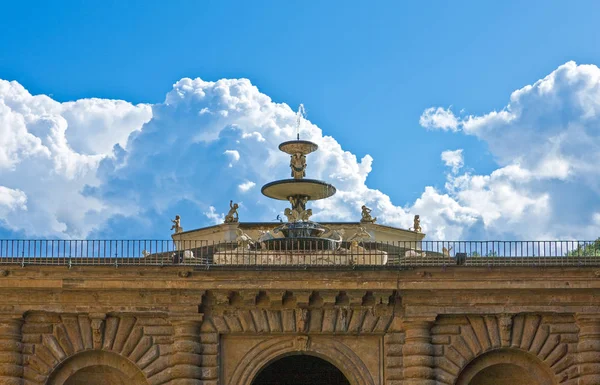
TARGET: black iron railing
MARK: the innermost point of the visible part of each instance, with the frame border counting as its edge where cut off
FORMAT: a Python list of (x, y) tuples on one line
[(295, 254)]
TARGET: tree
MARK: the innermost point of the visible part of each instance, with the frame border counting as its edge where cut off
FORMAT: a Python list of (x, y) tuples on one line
[(586, 249)]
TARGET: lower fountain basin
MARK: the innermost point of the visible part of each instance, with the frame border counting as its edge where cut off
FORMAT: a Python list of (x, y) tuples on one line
[(304, 244), (304, 236), (301, 230)]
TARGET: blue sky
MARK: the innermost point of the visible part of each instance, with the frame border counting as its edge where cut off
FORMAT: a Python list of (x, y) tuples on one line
[(367, 75)]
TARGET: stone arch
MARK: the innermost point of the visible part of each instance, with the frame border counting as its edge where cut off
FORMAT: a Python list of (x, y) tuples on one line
[(82, 365), (55, 338), (550, 338), (327, 349), (523, 366)]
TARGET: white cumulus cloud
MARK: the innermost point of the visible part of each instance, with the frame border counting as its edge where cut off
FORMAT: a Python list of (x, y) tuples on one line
[(547, 143), (50, 152), (453, 159), (439, 118), (233, 155), (246, 186), (106, 168)]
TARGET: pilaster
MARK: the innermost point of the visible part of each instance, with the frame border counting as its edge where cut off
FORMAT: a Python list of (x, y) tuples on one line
[(186, 364), (417, 353), (588, 349), (11, 348)]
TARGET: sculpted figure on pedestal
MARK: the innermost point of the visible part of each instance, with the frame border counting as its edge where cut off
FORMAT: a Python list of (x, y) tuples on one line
[(416, 224), (232, 215), (177, 224), (366, 215)]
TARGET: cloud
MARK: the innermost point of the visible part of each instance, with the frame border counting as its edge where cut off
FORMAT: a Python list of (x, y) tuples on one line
[(546, 141), (453, 159), (233, 156), (12, 200), (49, 153), (214, 217), (439, 118), (141, 164), (244, 187)]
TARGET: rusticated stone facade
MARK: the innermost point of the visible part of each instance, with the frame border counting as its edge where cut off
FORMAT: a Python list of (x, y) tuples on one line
[(175, 325)]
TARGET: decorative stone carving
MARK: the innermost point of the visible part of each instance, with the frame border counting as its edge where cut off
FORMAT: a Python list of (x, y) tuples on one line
[(97, 325), (298, 165), (243, 240), (302, 343), (291, 215), (177, 224), (302, 320), (362, 235), (297, 215), (366, 215), (505, 327), (232, 216)]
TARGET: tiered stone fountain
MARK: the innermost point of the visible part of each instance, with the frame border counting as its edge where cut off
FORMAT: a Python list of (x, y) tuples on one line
[(300, 240), (300, 232)]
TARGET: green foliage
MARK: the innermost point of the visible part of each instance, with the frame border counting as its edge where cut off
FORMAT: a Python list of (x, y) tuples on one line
[(586, 250)]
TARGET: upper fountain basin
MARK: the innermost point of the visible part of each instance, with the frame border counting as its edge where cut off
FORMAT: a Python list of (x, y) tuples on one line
[(311, 188), (298, 147)]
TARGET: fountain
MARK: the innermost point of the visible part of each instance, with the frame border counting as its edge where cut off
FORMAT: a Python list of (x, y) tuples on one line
[(300, 232), (299, 241)]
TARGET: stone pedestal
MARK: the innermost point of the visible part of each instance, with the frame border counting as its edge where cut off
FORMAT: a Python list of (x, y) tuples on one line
[(230, 233), (588, 349), (11, 358), (417, 353)]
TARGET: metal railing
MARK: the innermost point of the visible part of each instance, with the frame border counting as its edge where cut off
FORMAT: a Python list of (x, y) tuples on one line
[(291, 254)]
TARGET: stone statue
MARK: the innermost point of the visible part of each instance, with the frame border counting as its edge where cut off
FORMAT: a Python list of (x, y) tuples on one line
[(264, 237), (291, 215), (177, 224), (232, 215), (305, 215), (360, 236), (417, 224), (366, 215), (298, 203), (298, 165), (243, 239), (336, 235), (295, 215)]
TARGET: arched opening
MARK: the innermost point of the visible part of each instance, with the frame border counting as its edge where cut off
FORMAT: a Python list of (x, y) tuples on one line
[(97, 375), (506, 367), (96, 367), (503, 374), (300, 370)]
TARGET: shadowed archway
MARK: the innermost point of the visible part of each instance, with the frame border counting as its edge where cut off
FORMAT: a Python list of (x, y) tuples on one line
[(300, 370)]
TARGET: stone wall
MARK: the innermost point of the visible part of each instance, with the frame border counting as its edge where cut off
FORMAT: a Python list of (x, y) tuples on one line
[(176, 326)]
